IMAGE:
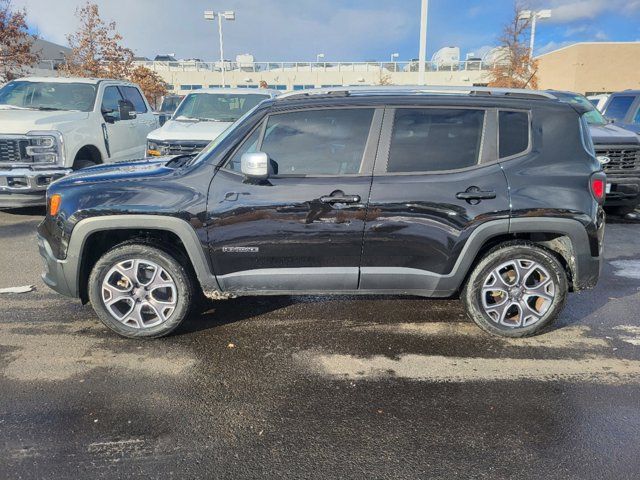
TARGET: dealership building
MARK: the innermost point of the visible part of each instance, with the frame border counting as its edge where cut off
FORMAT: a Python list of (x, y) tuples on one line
[(590, 67)]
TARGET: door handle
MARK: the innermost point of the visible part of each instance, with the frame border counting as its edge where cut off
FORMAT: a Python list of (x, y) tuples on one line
[(340, 199), (475, 195)]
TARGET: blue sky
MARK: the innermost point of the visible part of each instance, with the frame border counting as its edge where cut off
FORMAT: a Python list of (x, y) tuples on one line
[(295, 30)]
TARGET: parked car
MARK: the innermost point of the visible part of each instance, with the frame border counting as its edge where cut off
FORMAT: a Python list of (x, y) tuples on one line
[(201, 117), (599, 100), (494, 196), (618, 150), (50, 127), (167, 107), (624, 109)]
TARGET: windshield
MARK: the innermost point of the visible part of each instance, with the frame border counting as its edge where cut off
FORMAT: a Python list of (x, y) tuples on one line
[(216, 107), (48, 95), (593, 116), (169, 104)]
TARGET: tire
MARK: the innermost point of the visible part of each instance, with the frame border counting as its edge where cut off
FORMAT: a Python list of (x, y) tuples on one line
[(157, 306), (528, 307), (81, 163)]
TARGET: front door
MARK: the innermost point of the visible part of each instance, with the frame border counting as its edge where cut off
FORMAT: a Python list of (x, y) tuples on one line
[(436, 181), (302, 229), (120, 136)]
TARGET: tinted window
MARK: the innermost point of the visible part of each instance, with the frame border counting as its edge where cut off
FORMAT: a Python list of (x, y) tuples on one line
[(133, 95), (433, 139), (110, 100), (250, 145), (619, 106), (637, 117), (320, 142), (514, 133)]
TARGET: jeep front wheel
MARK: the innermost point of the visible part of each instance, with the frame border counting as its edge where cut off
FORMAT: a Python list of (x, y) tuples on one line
[(516, 290), (139, 290)]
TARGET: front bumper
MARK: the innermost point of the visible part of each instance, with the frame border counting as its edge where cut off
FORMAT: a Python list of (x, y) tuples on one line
[(24, 187), (625, 191), (54, 270)]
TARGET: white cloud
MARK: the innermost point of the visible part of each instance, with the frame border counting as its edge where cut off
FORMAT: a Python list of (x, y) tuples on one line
[(567, 11)]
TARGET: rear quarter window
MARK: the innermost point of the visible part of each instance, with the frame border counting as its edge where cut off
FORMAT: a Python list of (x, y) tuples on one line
[(513, 133)]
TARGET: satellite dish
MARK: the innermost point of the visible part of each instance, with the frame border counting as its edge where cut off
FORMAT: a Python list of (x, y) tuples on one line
[(447, 58)]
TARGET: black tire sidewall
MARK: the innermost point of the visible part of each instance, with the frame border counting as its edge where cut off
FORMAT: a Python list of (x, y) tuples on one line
[(471, 296), (81, 163), (182, 279)]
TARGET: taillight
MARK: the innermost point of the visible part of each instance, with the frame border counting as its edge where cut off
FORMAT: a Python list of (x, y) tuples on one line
[(54, 204), (598, 183)]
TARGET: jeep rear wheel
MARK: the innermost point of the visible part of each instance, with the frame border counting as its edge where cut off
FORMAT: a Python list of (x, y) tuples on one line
[(138, 290), (516, 290)]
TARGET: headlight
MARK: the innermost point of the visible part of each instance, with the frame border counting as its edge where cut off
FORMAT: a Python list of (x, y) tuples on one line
[(155, 149), (44, 148)]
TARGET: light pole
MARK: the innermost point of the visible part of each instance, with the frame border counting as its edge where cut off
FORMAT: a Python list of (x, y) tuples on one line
[(394, 56), (533, 16), (319, 56), (228, 15), (422, 56)]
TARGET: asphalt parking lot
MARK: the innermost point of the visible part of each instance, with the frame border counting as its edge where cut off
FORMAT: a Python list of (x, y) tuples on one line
[(319, 387)]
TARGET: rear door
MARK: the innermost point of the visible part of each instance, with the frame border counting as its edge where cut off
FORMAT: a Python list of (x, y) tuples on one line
[(436, 181), (302, 229)]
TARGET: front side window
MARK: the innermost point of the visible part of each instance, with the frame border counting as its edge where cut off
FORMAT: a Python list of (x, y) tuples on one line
[(110, 101), (636, 119), (435, 139), (619, 106), (133, 95), (48, 95), (318, 142), (217, 107), (250, 145), (513, 133)]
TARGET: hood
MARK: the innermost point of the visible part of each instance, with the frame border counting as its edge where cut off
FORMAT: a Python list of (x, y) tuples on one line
[(175, 130), (136, 170), (23, 121), (611, 134)]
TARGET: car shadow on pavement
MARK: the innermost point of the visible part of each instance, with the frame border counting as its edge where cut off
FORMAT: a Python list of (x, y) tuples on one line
[(26, 211), (224, 312)]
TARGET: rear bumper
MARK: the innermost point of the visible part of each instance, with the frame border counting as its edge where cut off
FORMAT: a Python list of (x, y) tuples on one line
[(625, 191), (24, 187)]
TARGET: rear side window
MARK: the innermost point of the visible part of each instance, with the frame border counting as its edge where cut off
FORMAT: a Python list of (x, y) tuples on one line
[(435, 139), (619, 106), (133, 95), (513, 133), (318, 142)]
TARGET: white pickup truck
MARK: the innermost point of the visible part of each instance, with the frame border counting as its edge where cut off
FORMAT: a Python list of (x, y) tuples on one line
[(52, 126)]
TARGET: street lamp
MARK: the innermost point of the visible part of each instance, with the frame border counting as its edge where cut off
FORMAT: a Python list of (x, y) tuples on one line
[(422, 56), (533, 16), (394, 56), (319, 56), (228, 15)]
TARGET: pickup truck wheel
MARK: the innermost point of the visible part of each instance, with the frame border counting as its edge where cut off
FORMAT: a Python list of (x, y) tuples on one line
[(517, 290), (140, 291)]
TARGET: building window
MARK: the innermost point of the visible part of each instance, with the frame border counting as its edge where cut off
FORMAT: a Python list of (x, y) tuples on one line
[(303, 87), (190, 87)]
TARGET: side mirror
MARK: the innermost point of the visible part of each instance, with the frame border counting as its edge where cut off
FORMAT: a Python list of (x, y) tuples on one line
[(255, 165), (126, 110)]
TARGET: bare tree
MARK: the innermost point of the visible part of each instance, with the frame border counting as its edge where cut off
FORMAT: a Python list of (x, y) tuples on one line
[(96, 49), (151, 84), (16, 44), (514, 67)]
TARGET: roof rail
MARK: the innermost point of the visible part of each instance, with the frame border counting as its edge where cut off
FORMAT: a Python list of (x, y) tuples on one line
[(418, 90)]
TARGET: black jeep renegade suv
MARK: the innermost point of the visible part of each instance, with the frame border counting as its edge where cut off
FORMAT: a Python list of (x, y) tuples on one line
[(492, 195)]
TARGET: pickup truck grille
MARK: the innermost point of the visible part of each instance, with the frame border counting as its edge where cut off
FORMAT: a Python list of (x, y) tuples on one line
[(11, 150), (183, 147), (621, 160)]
